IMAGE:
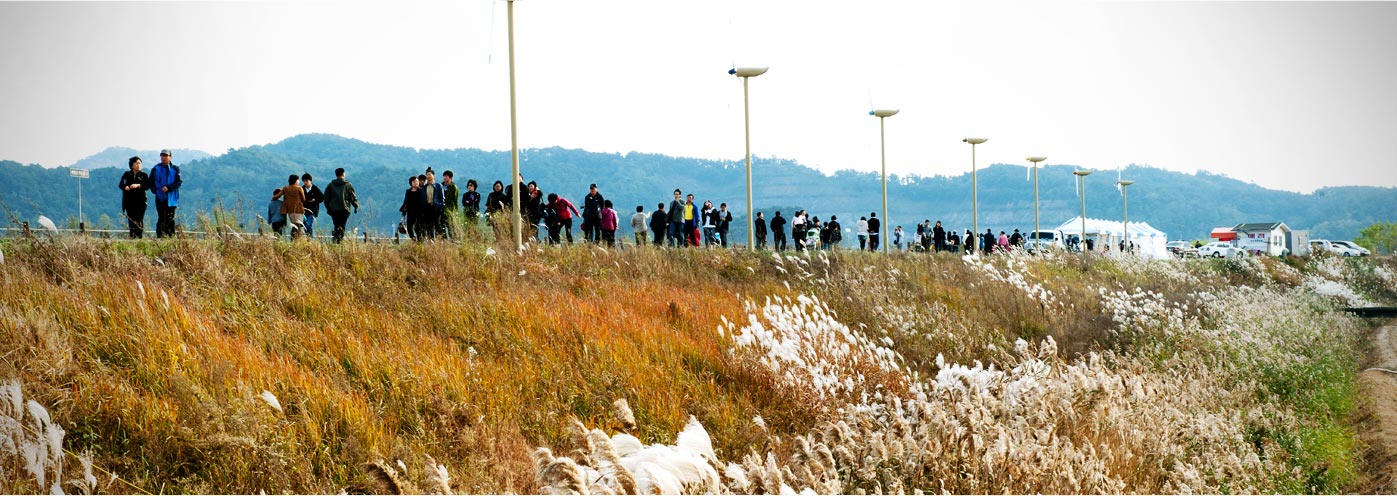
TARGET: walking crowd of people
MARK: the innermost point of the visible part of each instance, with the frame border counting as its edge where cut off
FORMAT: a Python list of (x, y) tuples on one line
[(432, 210)]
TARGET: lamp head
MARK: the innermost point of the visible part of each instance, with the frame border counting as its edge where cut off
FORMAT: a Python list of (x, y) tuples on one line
[(1082, 172), (744, 72), (1126, 182), (975, 141), (1037, 159), (883, 112)]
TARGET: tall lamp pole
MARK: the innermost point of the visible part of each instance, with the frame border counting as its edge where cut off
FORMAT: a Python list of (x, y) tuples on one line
[(883, 146), (1037, 242), (514, 141), (1125, 209), (974, 186), (748, 73), (1082, 192)]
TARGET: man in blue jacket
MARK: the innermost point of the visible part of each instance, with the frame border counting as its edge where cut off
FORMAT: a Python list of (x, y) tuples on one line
[(165, 181)]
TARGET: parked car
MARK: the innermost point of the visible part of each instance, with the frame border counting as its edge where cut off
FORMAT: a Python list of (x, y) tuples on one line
[(1362, 252), (1048, 240), (1219, 249), (1180, 248), (1332, 247)]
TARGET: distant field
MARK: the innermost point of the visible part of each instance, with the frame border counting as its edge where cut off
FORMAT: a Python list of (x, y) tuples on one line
[(832, 372)]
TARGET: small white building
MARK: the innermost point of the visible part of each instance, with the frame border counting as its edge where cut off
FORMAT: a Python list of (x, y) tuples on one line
[(1148, 241), (1264, 237)]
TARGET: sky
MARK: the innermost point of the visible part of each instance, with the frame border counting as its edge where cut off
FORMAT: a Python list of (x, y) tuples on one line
[(1292, 96)]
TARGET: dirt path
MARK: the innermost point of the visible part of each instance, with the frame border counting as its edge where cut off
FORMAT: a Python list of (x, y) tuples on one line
[(1379, 422)]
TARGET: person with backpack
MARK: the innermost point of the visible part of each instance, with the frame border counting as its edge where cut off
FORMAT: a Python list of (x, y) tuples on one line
[(835, 233), (134, 185), (275, 217), (639, 225), (562, 211), (591, 214), (608, 224), (875, 228), (165, 179), (659, 223), (339, 198), (293, 204), (778, 232)]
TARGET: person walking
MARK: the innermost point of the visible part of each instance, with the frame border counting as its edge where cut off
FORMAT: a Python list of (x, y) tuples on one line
[(414, 201), (639, 224), (165, 179), (987, 242), (134, 184), (798, 229), (676, 220), (692, 220), (314, 197), (759, 229), (710, 225), (897, 238), (293, 205), (608, 223), (497, 201), (969, 242), (563, 210), (591, 214), (778, 232), (723, 219), (431, 222), (836, 232), (861, 228), (874, 229), (339, 198), (274, 215), (938, 236), (659, 223)]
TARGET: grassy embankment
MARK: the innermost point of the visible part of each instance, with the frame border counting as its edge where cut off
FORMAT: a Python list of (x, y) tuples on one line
[(152, 355)]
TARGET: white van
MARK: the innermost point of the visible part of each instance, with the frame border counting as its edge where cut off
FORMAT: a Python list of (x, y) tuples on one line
[(1048, 239)]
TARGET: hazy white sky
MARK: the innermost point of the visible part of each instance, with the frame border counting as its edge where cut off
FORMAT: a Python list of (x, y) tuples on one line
[(1287, 95)]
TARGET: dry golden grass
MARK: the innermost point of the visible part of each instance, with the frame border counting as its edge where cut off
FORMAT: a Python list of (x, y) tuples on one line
[(155, 355)]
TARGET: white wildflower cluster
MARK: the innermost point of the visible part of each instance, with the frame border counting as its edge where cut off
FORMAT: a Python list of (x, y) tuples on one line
[(1328, 279), (1143, 310), (803, 342), (1385, 275), (1014, 271), (805, 268), (31, 442)]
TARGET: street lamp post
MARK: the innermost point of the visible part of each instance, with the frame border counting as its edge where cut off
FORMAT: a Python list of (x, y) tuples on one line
[(974, 186), (514, 141), (748, 73), (1125, 209), (1037, 241), (883, 147), (1082, 192)]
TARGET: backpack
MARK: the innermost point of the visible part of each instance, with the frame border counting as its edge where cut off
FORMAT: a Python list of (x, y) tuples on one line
[(550, 216)]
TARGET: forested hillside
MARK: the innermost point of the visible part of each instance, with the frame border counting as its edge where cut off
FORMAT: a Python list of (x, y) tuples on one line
[(1183, 205)]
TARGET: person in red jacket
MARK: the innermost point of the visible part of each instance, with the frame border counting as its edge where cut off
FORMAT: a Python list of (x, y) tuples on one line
[(608, 224), (562, 213)]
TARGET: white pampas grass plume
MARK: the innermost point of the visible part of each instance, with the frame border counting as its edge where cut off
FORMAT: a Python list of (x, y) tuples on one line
[(558, 475), (2, 257), (624, 414), (437, 475), (626, 445), (523, 272), (47, 223), (695, 439), (489, 252), (757, 420), (88, 483), (609, 463), (737, 479), (271, 400)]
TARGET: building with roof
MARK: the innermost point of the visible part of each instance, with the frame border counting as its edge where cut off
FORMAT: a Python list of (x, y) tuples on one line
[(1263, 237), (1148, 240)]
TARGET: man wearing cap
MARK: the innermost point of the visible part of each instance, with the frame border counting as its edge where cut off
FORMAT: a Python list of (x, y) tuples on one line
[(591, 214), (165, 180)]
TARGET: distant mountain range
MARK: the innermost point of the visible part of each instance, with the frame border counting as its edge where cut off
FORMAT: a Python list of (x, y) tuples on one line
[(1185, 206)]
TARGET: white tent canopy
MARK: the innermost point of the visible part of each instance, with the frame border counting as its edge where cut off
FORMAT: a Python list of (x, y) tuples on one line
[(1148, 240)]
